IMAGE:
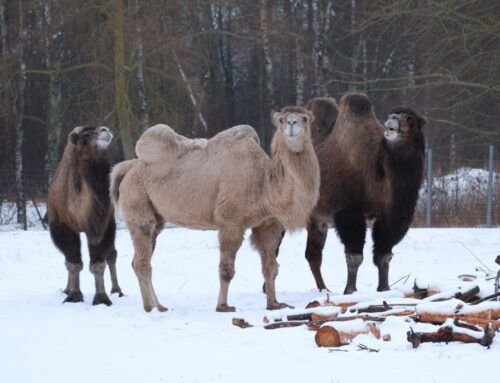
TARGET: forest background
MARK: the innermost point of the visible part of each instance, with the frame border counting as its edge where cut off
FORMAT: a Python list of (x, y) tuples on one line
[(202, 66)]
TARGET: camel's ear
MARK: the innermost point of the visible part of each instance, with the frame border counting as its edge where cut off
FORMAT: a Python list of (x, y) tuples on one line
[(73, 137), (422, 122), (310, 117), (277, 118)]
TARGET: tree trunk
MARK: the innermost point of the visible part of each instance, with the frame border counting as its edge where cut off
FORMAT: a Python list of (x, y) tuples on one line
[(141, 88), (122, 101), (269, 103), (21, 85), (53, 63), (191, 93), (299, 56), (3, 28)]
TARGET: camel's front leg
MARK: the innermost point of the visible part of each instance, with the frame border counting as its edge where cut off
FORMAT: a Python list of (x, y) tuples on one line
[(266, 239), (230, 239)]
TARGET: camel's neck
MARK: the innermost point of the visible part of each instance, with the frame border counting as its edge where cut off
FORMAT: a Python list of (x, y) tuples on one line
[(405, 162), (294, 181)]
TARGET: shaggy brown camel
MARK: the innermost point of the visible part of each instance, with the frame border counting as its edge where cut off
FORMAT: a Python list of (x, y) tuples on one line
[(78, 201), (227, 183), (367, 172)]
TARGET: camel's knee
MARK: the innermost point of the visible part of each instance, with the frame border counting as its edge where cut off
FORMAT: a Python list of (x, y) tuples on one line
[(226, 271), (97, 268)]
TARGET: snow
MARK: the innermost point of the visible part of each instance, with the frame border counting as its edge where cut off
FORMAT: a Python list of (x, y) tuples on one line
[(43, 340)]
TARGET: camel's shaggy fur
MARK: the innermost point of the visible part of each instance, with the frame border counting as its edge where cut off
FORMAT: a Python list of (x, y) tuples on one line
[(227, 183), (367, 171), (78, 201)]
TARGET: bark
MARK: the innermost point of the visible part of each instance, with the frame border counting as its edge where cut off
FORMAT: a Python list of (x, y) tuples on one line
[(141, 84), (122, 101), (269, 101), (3, 28), (448, 334), (54, 58), (21, 85), (299, 56)]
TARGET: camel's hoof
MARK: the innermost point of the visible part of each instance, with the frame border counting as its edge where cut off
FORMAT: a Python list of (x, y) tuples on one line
[(74, 297), (101, 298), (117, 291), (349, 290), (161, 308), (278, 306), (383, 288), (148, 308), (324, 288), (225, 309)]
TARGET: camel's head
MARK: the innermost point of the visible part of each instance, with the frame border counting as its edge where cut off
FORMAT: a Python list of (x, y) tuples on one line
[(90, 141), (403, 124), (294, 124)]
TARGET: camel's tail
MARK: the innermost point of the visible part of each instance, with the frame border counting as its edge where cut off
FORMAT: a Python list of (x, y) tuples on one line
[(117, 174)]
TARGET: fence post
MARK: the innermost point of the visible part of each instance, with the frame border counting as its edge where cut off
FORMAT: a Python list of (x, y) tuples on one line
[(489, 206), (429, 187)]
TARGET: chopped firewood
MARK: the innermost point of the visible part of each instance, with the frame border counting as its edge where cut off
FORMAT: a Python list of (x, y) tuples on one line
[(439, 312), (464, 294), (387, 338), (240, 322), (328, 336), (451, 333), (313, 304), (483, 323), (306, 316), (273, 326), (316, 317), (491, 297)]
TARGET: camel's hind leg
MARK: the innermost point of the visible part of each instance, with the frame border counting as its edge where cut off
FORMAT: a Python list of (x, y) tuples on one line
[(111, 261), (144, 236), (230, 239), (266, 239), (98, 251), (316, 237)]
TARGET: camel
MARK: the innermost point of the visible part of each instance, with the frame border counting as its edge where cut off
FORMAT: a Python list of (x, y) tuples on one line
[(368, 171), (227, 183), (78, 202)]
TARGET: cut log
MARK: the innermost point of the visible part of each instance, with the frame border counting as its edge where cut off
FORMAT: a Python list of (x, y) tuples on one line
[(328, 336), (440, 312)]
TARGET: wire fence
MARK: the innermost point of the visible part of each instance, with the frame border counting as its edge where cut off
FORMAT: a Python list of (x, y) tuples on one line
[(464, 184)]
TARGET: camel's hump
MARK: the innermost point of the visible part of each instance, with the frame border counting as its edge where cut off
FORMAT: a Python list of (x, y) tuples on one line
[(162, 143), (237, 133)]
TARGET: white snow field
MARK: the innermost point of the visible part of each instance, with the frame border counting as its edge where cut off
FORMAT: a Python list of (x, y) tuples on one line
[(43, 340)]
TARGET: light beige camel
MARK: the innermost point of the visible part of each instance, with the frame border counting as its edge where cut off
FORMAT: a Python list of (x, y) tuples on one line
[(227, 183)]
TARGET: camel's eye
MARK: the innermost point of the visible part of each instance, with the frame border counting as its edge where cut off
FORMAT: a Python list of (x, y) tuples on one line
[(304, 119), (281, 120), (410, 120)]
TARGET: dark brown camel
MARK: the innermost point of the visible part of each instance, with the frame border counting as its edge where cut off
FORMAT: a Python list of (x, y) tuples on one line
[(78, 201), (367, 172)]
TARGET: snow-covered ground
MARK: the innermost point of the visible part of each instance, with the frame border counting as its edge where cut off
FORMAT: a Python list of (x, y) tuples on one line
[(42, 340)]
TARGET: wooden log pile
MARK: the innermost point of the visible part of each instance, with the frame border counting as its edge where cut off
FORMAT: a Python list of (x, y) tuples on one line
[(461, 316)]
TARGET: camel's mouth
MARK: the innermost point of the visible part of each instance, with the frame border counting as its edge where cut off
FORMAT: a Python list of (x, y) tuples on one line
[(391, 132), (104, 138)]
